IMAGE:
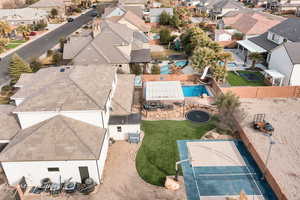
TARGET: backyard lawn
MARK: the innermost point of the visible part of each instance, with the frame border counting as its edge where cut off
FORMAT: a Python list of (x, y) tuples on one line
[(157, 155), (236, 80)]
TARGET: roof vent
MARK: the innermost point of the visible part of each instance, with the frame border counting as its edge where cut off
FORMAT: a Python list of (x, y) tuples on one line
[(62, 70)]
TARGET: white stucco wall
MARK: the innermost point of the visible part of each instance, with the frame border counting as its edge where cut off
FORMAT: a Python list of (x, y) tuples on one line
[(103, 156), (222, 37), (295, 78), (35, 171), (93, 117), (278, 38), (281, 62), (126, 128)]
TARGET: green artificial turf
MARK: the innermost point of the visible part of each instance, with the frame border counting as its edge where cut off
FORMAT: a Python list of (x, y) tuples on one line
[(236, 80)]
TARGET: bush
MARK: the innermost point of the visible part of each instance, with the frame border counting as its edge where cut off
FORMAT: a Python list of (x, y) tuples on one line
[(164, 18), (50, 53), (40, 26), (155, 69), (57, 58), (136, 69), (165, 36), (77, 10), (237, 36), (35, 65)]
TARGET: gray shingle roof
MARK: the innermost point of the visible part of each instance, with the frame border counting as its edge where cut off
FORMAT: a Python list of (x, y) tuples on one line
[(104, 48), (123, 97), (141, 56), (142, 2), (293, 50), (77, 88), (74, 45), (58, 138), (263, 42), (289, 29), (227, 4), (8, 122)]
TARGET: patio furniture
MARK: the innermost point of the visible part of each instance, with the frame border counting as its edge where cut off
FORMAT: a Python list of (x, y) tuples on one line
[(69, 187), (55, 188), (133, 138)]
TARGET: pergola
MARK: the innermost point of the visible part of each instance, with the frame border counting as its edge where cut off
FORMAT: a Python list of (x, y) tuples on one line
[(274, 76), (163, 91)]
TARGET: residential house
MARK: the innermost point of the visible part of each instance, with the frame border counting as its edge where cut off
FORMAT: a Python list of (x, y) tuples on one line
[(46, 5), (121, 15), (284, 5), (111, 43), (154, 14), (285, 59), (248, 22), (217, 9), (64, 123), (133, 2), (23, 16), (288, 31)]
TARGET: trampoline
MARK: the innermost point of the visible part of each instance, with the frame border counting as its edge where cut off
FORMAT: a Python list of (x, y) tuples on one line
[(197, 116)]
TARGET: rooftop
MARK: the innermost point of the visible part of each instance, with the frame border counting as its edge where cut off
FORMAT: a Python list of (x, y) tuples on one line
[(47, 4), (293, 49), (284, 161), (251, 22), (123, 97), (289, 29), (59, 138), (158, 11), (163, 90), (67, 88), (22, 14), (8, 122)]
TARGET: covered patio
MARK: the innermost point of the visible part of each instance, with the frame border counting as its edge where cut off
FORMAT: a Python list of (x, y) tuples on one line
[(245, 47), (274, 77)]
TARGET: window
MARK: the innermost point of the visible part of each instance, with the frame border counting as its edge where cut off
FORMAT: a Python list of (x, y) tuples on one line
[(53, 169), (119, 128)]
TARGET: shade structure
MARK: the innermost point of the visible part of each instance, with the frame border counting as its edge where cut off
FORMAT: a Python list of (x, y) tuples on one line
[(252, 47), (163, 90)]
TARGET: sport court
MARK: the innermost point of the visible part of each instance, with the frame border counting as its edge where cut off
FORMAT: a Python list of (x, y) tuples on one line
[(216, 169)]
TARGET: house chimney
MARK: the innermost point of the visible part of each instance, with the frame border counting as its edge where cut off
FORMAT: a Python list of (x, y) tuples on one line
[(96, 28)]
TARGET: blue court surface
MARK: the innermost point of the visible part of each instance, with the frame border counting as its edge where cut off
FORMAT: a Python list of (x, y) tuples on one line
[(213, 181)]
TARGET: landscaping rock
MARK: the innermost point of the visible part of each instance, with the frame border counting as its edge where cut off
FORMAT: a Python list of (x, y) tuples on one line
[(213, 135), (171, 184)]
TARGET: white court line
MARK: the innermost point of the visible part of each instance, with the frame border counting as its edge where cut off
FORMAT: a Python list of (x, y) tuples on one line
[(196, 182), (233, 174)]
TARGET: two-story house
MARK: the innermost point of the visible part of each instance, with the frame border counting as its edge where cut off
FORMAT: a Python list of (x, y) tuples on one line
[(64, 123), (279, 45), (110, 43), (217, 9)]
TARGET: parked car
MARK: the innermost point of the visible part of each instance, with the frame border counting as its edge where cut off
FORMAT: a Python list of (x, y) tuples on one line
[(32, 33), (70, 19), (94, 14)]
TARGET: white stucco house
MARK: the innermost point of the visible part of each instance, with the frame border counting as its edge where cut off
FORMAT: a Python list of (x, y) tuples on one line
[(286, 60), (66, 122), (23, 16), (155, 13)]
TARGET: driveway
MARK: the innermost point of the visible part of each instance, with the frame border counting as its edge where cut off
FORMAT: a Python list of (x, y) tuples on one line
[(38, 47)]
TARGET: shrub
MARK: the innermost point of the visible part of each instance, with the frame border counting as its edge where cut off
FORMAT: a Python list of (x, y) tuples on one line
[(136, 69), (164, 18), (57, 58), (165, 36), (155, 69), (35, 65)]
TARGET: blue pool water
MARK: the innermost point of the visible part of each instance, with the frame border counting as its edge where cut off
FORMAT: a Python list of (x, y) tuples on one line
[(231, 64), (166, 68), (156, 37), (194, 90), (203, 181), (181, 63)]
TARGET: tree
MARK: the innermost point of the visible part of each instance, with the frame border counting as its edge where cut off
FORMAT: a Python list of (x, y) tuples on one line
[(175, 21), (219, 73), (164, 18), (165, 36), (17, 66), (155, 69), (192, 38), (35, 65), (57, 58), (135, 69), (62, 42), (255, 57), (229, 112), (225, 57), (54, 12), (5, 29), (203, 57)]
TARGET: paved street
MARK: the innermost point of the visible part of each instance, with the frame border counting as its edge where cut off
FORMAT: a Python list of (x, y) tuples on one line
[(46, 42)]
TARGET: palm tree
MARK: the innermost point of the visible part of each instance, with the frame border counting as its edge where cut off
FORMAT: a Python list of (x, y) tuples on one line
[(255, 57), (219, 73), (225, 57), (24, 30)]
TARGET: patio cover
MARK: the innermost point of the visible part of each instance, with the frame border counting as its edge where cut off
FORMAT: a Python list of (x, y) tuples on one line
[(163, 90), (274, 73), (251, 46)]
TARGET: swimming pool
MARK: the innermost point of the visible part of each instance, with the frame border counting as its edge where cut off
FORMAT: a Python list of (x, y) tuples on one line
[(181, 63), (165, 69), (230, 64), (194, 90), (156, 37)]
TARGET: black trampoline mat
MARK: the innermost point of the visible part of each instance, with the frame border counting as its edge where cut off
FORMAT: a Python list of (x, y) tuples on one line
[(197, 116)]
